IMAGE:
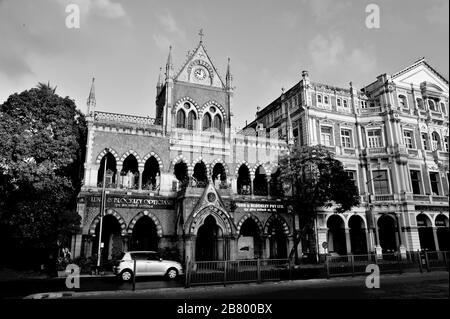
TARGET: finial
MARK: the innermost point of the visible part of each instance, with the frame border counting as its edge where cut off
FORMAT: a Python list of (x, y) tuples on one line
[(351, 84), (201, 34), (282, 90)]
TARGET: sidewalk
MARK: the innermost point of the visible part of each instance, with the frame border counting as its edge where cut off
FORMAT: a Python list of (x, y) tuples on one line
[(274, 290), (9, 275)]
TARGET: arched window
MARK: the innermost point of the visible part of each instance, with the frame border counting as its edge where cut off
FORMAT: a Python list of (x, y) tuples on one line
[(151, 174), (260, 182), (206, 121), (436, 141), (432, 105), (200, 174), (402, 101), (111, 171), (129, 176), (319, 98), (243, 181), (181, 119), (218, 122), (420, 103), (181, 173), (192, 117)]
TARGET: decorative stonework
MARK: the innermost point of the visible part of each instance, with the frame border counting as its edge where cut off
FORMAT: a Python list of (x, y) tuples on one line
[(255, 219), (123, 224), (185, 99), (223, 219), (104, 152), (143, 214), (156, 156), (210, 103), (271, 219), (130, 152), (238, 165)]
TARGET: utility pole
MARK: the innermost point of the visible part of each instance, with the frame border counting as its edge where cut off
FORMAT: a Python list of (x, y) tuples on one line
[(102, 211)]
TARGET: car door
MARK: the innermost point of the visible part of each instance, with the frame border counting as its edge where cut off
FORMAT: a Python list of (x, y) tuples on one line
[(157, 268), (142, 265)]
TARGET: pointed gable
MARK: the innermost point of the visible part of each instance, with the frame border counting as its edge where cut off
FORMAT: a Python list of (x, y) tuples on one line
[(421, 73), (199, 69), (210, 197)]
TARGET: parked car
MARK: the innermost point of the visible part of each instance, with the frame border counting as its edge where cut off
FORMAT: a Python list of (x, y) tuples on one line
[(148, 263)]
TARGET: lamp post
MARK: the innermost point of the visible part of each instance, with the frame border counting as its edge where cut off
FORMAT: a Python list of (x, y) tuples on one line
[(102, 210), (369, 211)]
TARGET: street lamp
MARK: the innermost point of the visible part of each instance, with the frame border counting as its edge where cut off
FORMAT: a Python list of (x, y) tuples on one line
[(102, 210)]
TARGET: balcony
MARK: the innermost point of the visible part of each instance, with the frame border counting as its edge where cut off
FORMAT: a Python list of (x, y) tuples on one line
[(421, 198), (430, 198), (376, 150), (384, 198), (413, 152), (435, 114), (439, 198), (371, 110)]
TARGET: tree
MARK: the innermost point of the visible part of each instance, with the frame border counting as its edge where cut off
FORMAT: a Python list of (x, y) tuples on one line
[(318, 180), (41, 157)]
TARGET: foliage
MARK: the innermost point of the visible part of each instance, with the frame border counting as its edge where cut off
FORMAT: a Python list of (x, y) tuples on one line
[(319, 180), (41, 156)]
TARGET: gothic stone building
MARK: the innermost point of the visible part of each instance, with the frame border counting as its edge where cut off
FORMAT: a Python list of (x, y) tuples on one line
[(183, 182), (392, 137)]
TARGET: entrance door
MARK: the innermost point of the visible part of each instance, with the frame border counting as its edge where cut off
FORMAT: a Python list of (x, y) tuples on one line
[(206, 246)]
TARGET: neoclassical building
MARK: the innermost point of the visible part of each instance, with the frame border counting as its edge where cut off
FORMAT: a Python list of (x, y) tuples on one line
[(183, 181), (392, 136)]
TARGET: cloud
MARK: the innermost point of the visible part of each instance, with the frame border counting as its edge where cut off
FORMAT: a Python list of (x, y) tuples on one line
[(161, 41), (438, 13), (169, 22), (334, 60), (103, 8), (14, 65), (324, 10)]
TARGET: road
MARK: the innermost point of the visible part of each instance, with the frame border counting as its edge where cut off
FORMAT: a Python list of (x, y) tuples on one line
[(405, 286), (23, 288)]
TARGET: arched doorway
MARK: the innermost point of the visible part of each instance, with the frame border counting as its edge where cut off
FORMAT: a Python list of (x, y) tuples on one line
[(243, 180), (151, 174), (111, 238), (249, 241), (425, 230), (277, 240), (181, 173), (442, 232), (219, 176), (145, 236), (208, 245), (111, 171), (358, 238), (129, 176), (336, 235), (387, 233)]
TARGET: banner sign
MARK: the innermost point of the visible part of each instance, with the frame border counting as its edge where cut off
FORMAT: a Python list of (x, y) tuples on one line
[(261, 207), (132, 202)]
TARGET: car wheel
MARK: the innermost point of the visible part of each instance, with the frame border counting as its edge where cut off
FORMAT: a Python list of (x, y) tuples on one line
[(172, 273), (126, 275)]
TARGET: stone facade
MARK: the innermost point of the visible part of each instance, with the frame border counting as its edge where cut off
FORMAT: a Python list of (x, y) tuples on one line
[(392, 137)]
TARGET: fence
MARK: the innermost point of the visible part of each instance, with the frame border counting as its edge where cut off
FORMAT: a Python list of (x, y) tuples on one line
[(352, 265), (233, 271)]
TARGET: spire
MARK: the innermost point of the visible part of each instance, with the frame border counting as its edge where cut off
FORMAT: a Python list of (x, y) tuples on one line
[(228, 77), (201, 34), (159, 84), (169, 65), (91, 99)]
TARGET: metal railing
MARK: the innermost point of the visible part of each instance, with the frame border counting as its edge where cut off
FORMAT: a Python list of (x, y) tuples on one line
[(352, 265), (234, 271)]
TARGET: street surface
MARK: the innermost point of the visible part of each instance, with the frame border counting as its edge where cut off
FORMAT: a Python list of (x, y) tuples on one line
[(405, 286)]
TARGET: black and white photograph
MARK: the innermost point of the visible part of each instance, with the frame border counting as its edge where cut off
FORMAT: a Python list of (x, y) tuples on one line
[(220, 158)]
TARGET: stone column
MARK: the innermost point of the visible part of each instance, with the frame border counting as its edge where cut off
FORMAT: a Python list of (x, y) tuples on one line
[(267, 241), (436, 240), (401, 245), (76, 245), (378, 249), (189, 247), (290, 244), (348, 241), (268, 187), (141, 172), (125, 242), (118, 177)]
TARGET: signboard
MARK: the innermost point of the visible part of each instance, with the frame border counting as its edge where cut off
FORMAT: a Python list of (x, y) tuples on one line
[(246, 247), (325, 245), (261, 207), (132, 202)]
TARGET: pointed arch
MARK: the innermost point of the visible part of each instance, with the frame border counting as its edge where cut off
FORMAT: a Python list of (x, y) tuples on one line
[(223, 220), (206, 121), (156, 156), (215, 104), (180, 102), (104, 152), (143, 214), (276, 217), (221, 161), (127, 153), (238, 166), (254, 218), (122, 223)]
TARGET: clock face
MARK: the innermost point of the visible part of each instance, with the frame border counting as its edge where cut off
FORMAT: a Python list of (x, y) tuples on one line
[(200, 73)]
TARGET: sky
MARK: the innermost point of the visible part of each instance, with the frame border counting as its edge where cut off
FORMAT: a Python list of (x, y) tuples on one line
[(124, 43)]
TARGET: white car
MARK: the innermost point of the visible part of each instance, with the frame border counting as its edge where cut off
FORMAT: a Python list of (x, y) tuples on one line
[(148, 263)]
